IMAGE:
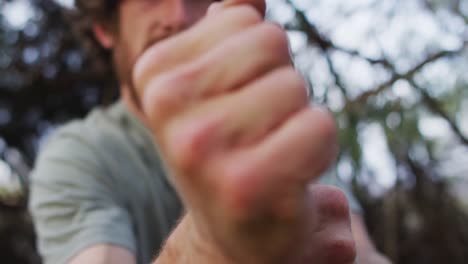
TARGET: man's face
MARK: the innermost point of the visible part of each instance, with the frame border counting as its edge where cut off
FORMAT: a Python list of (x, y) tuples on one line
[(145, 22)]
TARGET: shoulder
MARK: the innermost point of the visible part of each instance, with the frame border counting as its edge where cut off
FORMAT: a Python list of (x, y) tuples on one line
[(75, 201), (101, 129), (92, 132), (83, 146)]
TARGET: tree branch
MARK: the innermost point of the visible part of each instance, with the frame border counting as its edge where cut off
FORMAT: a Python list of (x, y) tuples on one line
[(314, 37), (362, 99), (436, 108)]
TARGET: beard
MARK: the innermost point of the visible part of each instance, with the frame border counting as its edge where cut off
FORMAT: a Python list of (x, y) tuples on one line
[(124, 62), (124, 59)]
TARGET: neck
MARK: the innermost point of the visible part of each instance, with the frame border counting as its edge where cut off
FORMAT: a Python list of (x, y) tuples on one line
[(129, 101)]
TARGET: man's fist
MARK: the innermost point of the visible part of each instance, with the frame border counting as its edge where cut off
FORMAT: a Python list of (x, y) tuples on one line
[(232, 122)]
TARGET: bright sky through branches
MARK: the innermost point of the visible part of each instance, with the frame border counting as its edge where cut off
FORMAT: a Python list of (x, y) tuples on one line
[(403, 31)]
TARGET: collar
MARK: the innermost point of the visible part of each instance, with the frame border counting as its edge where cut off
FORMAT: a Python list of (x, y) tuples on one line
[(135, 129)]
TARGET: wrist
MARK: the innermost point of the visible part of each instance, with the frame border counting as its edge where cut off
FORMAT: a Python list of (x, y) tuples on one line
[(186, 245)]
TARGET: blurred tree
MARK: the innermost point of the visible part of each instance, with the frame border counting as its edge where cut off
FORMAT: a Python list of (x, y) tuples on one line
[(45, 77), (393, 72)]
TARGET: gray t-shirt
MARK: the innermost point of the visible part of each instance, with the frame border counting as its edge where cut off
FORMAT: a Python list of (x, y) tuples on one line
[(101, 181)]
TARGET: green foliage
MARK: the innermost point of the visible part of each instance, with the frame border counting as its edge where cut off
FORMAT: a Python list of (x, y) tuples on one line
[(376, 64), (410, 86)]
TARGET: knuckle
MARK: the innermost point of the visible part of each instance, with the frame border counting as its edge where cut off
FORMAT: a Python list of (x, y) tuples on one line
[(340, 250), (334, 203), (169, 92), (247, 14), (288, 85), (139, 71), (296, 84), (154, 101), (235, 189), (159, 99), (181, 149), (275, 38), (327, 129), (175, 78), (232, 194), (189, 142), (146, 66), (184, 75)]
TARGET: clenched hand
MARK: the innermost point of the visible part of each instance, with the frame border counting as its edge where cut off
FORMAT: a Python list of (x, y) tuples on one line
[(233, 124)]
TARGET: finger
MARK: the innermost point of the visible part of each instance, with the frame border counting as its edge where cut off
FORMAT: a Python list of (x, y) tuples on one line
[(237, 60), (234, 63), (260, 5), (236, 119), (281, 161), (190, 44), (262, 105), (301, 142), (332, 239), (289, 206)]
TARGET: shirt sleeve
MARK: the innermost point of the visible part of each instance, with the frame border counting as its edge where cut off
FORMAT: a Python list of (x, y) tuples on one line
[(72, 203), (330, 178)]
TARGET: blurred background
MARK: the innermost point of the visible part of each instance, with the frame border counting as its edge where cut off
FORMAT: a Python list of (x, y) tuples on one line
[(393, 72)]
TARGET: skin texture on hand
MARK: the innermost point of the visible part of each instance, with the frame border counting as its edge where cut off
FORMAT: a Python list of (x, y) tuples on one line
[(231, 113), (232, 121), (184, 246), (104, 254)]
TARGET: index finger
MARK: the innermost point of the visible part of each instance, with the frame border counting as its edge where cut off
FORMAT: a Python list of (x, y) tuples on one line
[(192, 43), (260, 5)]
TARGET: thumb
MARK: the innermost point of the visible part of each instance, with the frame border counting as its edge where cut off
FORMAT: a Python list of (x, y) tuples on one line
[(260, 5)]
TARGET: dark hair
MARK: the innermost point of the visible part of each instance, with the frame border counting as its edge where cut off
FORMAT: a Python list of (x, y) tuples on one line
[(97, 10), (82, 18)]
